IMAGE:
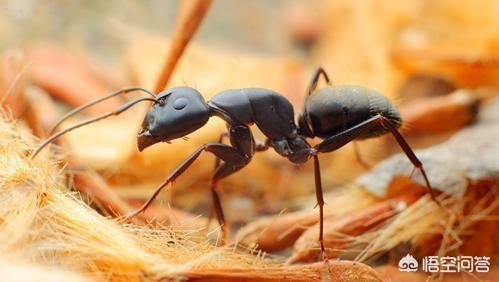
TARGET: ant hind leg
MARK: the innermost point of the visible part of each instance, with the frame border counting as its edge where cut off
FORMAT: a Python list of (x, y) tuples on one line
[(315, 80), (410, 154)]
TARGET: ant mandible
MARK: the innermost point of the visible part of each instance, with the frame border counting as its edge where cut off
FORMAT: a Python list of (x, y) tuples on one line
[(335, 114)]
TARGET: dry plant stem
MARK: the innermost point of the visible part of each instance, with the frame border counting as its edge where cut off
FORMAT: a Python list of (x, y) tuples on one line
[(338, 231), (439, 114), (190, 16), (331, 271)]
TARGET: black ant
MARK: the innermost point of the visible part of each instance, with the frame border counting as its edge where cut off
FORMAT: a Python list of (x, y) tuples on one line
[(336, 114)]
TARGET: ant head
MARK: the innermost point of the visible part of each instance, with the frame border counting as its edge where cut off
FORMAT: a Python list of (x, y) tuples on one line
[(180, 111)]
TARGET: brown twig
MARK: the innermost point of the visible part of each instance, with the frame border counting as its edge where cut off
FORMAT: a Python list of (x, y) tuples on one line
[(190, 15)]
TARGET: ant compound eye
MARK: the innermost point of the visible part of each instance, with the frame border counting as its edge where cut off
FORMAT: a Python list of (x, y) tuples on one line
[(180, 103)]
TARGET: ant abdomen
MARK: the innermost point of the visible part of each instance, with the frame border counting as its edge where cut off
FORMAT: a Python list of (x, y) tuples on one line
[(332, 110)]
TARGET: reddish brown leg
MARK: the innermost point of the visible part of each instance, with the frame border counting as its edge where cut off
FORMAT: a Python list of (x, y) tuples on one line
[(339, 140), (224, 170), (217, 207), (410, 154), (259, 146), (320, 204), (217, 163), (225, 152)]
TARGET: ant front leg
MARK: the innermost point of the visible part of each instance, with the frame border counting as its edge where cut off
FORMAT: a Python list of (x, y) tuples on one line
[(225, 152)]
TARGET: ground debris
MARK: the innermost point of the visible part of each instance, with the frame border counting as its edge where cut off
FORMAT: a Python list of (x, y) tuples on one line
[(471, 154)]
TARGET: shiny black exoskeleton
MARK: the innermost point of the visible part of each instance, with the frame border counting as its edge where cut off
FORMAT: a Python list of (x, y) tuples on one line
[(335, 114)]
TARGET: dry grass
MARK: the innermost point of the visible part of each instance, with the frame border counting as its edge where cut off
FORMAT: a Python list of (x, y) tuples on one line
[(49, 233), (424, 218), (44, 224)]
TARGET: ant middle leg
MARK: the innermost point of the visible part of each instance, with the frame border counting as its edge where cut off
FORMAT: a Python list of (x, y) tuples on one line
[(224, 170), (320, 203), (217, 164)]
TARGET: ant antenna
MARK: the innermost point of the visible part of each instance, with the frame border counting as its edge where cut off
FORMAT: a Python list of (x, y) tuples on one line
[(118, 111), (96, 101)]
